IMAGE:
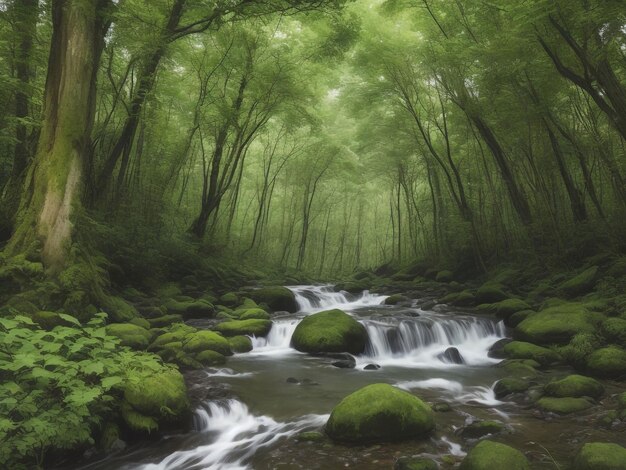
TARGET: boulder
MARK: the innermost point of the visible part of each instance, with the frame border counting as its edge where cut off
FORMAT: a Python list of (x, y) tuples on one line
[(130, 335), (489, 455), (481, 428), (508, 386), (329, 331), (371, 367), (240, 344), (580, 284), (251, 327), (517, 318), (505, 308), (522, 350), (614, 329), (564, 406), (600, 456), (210, 358), (276, 298), (253, 313), (490, 293), (497, 349), (609, 362), (575, 386), (380, 413), (395, 299), (451, 356), (190, 309), (206, 341), (444, 276), (164, 320), (411, 463)]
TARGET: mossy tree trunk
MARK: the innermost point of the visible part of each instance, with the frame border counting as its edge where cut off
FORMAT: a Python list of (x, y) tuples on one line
[(51, 194)]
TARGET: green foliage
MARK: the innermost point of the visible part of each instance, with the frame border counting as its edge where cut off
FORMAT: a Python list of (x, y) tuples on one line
[(58, 385)]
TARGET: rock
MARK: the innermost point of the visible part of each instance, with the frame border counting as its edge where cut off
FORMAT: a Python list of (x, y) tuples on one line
[(488, 455), (411, 463), (481, 428), (210, 358), (444, 276), (575, 386), (329, 331), (345, 363), (614, 329), (371, 367), (130, 335), (230, 299), (563, 406), (522, 350), (240, 344), (505, 308), (557, 325), (253, 313), (190, 309), (609, 362), (517, 318), (142, 322), (292, 380), (165, 320), (497, 349), (159, 397), (379, 413), (580, 284), (508, 386), (451, 356), (277, 298), (490, 293), (177, 333), (244, 327), (600, 456), (461, 299), (395, 299), (118, 309), (523, 368), (310, 436), (206, 341)]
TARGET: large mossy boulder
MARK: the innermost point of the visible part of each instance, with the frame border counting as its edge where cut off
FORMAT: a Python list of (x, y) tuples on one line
[(277, 298), (158, 398), (380, 413), (191, 308), (489, 455), (522, 350), (507, 386), (580, 284), (609, 362), (490, 293), (331, 331), (240, 344), (251, 327), (253, 313), (505, 308), (600, 456), (130, 335), (558, 324), (206, 341), (564, 406), (575, 386), (614, 329)]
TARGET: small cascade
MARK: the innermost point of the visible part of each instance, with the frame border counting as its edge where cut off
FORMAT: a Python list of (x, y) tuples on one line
[(236, 435), (312, 299), (424, 340), (278, 339)]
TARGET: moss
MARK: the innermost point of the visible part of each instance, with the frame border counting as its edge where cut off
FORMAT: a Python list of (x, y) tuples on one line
[(206, 340), (614, 329), (244, 327), (49, 320), (190, 308), (481, 428), (133, 336), (575, 386), (210, 358), (520, 368), (462, 299), (557, 325), (161, 395), (517, 318), (109, 434), (277, 298), (230, 299), (142, 322), (600, 456), (240, 344), (168, 291), (508, 386), (225, 316), (580, 284), (253, 313), (489, 455), (175, 333), (165, 320), (490, 293), (609, 362), (444, 276), (410, 463), (329, 331), (395, 299), (564, 406), (137, 421), (20, 305), (247, 303), (522, 350), (579, 349), (506, 308), (311, 436), (380, 412), (119, 310)]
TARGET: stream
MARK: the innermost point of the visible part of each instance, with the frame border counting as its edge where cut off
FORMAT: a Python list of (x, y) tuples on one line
[(275, 392)]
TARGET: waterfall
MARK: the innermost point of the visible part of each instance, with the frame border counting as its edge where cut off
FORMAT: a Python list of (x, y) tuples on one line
[(312, 299), (236, 435), (278, 339)]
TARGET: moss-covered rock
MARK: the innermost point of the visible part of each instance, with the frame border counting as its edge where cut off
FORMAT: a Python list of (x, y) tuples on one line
[(276, 298), (609, 362), (490, 293), (165, 320), (614, 329), (160, 397), (328, 332), (119, 310), (481, 428), (507, 386), (380, 412), (557, 325), (564, 406), (240, 344), (580, 284), (229, 299), (411, 463), (444, 276), (520, 368), (210, 358), (460, 299), (517, 318), (253, 313), (244, 327), (600, 456), (311, 436), (130, 335), (191, 308), (505, 308), (489, 455), (522, 350), (142, 322), (575, 386), (395, 299), (206, 341)]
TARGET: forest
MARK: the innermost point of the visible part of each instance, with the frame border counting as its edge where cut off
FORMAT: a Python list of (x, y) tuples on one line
[(313, 234)]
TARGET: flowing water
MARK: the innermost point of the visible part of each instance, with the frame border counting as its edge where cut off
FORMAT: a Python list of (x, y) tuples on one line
[(279, 392)]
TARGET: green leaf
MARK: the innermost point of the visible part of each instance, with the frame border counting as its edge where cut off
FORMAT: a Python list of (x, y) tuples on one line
[(110, 382), (69, 318)]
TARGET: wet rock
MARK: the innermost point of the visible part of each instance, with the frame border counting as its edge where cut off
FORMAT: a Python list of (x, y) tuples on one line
[(481, 428), (508, 386), (396, 299), (308, 382), (292, 380), (442, 407), (411, 463), (575, 386), (371, 367), (331, 331), (488, 455), (310, 436), (564, 406), (496, 351), (345, 364), (600, 456), (451, 356), (522, 350), (609, 362)]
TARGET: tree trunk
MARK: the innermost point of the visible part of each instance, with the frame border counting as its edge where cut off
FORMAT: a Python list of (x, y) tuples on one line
[(52, 189)]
